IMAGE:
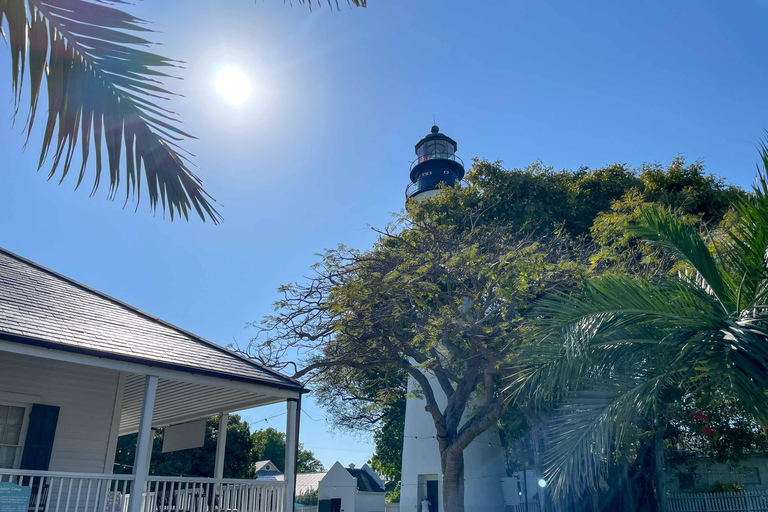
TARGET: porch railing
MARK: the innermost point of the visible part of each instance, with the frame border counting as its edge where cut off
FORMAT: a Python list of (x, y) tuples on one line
[(181, 494), (88, 492), (54, 491)]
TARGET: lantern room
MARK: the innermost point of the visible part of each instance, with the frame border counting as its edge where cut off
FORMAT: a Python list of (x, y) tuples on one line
[(436, 163)]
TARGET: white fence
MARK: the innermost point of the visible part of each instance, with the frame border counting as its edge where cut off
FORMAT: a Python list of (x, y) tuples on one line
[(749, 501), (72, 492), (392, 507), (86, 492)]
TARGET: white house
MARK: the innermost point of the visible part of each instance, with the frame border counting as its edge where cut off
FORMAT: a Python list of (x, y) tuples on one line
[(79, 368), (351, 490), (266, 470)]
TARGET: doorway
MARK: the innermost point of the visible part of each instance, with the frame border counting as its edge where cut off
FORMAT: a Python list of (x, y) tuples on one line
[(432, 495), (429, 489), (332, 505)]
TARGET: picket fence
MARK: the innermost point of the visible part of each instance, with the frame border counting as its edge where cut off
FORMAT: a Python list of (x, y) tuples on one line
[(749, 501), (390, 507)]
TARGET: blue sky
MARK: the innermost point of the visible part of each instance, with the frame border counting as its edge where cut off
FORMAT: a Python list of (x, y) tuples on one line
[(321, 149)]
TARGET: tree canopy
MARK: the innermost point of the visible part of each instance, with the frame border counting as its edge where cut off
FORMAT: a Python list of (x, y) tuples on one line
[(444, 294)]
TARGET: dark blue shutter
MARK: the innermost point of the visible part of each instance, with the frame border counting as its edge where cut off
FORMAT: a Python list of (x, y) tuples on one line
[(40, 433)]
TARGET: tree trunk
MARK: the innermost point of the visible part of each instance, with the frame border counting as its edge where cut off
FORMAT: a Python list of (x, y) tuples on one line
[(660, 475), (453, 481)]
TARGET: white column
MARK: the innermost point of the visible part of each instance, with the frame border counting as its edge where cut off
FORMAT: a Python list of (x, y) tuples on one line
[(114, 430), (221, 446), (291, 451), (143, 445)]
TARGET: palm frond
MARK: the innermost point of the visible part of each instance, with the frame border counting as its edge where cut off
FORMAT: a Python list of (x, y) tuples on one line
[(585, 431), (747, 244), (660, 227), (101, 85)]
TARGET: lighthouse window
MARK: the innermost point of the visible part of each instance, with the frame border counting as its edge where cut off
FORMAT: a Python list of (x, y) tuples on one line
[(446, 172), (428, 173)]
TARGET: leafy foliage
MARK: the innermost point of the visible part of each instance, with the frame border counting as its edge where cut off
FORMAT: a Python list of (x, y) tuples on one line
[(307, 498), (715, 426), (243, 450), (269, 444), (197, 462), (615, 354), (460, 270)]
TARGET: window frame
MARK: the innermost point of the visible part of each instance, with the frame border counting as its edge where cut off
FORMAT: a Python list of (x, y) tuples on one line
[(23, 434)]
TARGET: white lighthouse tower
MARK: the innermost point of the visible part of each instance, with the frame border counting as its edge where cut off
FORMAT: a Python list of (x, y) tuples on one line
[(484, 465)]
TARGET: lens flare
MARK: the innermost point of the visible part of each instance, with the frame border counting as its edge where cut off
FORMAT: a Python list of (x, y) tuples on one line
[(233, 85)]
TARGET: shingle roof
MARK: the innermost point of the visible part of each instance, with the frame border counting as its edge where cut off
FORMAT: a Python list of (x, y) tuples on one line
[(365, 482), (260, 465), (306, 482), (40, 307)]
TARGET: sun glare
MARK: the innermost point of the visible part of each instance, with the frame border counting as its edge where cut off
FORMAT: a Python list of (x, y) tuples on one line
[(233, 85)]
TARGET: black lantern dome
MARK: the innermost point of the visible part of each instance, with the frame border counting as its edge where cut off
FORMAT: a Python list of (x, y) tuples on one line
[(436, 163)]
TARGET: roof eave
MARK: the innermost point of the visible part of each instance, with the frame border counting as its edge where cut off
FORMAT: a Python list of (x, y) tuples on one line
[(37, 342)]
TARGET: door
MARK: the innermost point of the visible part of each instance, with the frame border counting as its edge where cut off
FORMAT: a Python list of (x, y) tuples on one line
[(432, 495), (332, 505)]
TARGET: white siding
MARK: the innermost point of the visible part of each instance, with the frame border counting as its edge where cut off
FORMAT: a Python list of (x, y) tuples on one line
[(370, 502), (85, 395), (483, 460), (338, 483)]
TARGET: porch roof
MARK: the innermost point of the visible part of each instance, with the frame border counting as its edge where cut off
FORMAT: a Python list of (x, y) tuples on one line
[(43, 308)]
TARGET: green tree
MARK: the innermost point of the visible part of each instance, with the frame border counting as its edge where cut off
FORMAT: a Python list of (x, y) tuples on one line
[(387, 458), (432, 299), (100, 82), (196, 462), (269, 444), (619, 352)]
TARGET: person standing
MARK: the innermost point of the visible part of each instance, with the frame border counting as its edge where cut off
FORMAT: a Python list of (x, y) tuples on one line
[(425, 505)]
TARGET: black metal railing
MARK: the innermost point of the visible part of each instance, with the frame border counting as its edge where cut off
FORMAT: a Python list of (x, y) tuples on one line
[(413, 188)]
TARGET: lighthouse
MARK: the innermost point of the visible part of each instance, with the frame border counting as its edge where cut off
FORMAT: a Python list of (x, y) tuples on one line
[(436, 163)]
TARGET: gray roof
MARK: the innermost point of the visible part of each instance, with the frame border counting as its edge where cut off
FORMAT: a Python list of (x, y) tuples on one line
[(365, 482), (43, 308)]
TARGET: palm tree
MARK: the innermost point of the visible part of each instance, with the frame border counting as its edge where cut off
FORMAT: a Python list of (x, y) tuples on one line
[(101, 84), (614, 355)]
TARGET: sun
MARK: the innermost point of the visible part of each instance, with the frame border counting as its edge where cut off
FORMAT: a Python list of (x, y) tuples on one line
[(233, 85)]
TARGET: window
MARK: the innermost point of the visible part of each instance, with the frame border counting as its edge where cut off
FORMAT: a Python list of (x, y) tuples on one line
[(11, 423)]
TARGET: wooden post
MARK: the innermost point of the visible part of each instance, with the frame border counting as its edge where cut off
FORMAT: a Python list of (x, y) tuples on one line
[(221, 446), (291, 450), (143, 445)]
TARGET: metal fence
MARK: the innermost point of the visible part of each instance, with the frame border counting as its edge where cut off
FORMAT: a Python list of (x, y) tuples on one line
[(748, 501)]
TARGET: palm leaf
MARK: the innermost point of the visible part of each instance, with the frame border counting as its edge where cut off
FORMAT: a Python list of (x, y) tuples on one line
[(661, 227), (100, 83), (103, 89)]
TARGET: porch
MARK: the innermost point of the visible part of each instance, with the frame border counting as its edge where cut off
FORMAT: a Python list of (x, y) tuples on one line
[(79, 368), (54, 491), (73, 414)]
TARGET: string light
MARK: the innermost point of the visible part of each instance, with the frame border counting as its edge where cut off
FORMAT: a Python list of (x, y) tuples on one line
[(473, 441)]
